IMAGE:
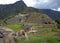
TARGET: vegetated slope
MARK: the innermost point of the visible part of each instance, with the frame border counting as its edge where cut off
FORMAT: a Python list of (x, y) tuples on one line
[(33, 17), (36, 16), (55, 15), (11, 9)]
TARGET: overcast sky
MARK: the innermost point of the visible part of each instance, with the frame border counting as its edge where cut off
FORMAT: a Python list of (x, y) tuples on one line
[(42, 4)]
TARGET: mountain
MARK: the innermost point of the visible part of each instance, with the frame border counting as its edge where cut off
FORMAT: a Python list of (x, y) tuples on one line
[(55, 15), (19, 6), (35, 16), (32, 16), (11, 9)]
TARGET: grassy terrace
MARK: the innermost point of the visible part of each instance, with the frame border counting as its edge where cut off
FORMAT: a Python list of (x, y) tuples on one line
[(39, 38), (14, 27), (44, 37)]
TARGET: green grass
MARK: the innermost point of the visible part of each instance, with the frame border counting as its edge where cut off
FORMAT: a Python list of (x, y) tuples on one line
[(33, 38), (17, 27), (53, 40), (14, 27), (58, 26), (36, 37)]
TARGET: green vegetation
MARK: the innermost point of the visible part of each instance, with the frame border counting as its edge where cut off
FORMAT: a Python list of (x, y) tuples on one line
[(53, 40), (29, 10), (37, 38), (45, 37), (58, 24), (15, 27)]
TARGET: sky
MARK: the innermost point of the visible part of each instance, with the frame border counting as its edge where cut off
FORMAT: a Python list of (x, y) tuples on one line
[(41, 4)]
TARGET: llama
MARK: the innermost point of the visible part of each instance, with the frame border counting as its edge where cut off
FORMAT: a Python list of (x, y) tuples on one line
[(22, 33)]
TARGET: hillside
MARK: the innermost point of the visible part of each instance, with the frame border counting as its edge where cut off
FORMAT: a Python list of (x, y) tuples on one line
[(9, 14), (11, 9), (38, 21), (55, 15), (31, 16)]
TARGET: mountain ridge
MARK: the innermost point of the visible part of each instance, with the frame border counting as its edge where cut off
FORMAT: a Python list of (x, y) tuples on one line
[(11, 9)]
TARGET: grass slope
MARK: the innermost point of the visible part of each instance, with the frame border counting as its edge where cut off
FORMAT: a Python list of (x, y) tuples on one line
[(44, 37)]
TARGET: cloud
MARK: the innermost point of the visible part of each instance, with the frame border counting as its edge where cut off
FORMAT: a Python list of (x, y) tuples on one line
[(48, 4), (41, 4), (30, 2), (44, 4), (58, 9), (7, 1)]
